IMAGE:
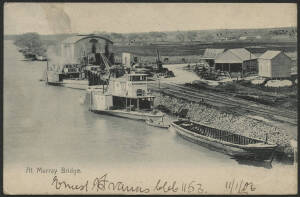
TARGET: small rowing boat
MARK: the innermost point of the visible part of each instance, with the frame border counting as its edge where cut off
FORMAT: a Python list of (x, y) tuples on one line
[(220, 140), (157, 123)]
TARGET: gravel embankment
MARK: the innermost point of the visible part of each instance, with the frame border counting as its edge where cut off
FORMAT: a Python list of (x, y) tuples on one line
[(226, 121)]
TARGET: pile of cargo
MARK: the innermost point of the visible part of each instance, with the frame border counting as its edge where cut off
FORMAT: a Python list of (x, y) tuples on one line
[(238, 124), (279, 83)]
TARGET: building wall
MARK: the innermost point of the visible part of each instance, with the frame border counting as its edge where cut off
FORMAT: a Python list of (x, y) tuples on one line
[(127, 88), (126, 59), (101, 102), (281, 66), (278, 67), (84, 47), (118, 88), (264, 68), (67, 52), (73, 52), (250, 66), (132, 88)]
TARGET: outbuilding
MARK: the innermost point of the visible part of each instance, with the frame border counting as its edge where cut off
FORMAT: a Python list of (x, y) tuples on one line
[(237, 60), (274, 64)]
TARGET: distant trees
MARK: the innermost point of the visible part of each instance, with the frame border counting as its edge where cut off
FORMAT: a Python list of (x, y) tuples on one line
[(106, 35), (31, 42), (150, 36), (155, 36), (191, 35), (117, 37), (132, 37), (180, 36), (208, 37)]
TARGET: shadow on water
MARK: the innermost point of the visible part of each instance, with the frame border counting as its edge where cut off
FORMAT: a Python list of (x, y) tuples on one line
[(248, 162)]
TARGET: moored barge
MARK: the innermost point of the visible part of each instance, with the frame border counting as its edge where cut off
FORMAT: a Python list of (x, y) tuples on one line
[(227, 142)]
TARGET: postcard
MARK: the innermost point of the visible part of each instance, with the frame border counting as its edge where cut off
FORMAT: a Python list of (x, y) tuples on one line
[(150, 98)]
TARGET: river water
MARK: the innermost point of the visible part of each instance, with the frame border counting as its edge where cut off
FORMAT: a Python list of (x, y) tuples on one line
[(47, 126)]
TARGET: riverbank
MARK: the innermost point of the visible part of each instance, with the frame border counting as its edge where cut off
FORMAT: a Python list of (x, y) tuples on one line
[(240, 124)]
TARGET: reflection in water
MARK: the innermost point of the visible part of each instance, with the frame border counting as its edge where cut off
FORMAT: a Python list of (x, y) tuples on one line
[(264, 164)]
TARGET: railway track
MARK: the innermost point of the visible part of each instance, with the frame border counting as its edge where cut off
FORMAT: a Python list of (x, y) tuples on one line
[(245, 103), (227, 100)]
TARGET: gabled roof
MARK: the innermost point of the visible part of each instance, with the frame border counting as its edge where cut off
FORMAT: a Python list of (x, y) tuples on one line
[(235, 56), (212, 53), (74, 39), (243, 54), (269, 54)]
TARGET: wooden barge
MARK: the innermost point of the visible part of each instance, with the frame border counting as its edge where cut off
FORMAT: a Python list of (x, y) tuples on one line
[(235, 145)]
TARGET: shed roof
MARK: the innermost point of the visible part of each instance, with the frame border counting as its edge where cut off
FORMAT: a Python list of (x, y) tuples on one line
[(269, 54), (243, 54), (238, 55), (212, 53), (74, 39), (137, 74)]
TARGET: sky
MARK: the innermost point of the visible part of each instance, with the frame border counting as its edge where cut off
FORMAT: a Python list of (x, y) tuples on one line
[(51, 18)]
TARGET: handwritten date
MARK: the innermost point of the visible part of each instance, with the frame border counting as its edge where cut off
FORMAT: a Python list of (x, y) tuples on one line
[(239, 186)]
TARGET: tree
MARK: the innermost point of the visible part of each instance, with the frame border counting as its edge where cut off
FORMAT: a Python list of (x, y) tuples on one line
[(117, 36), (163, 36), (191, 35), (145, 37), (157, 35), (180, 36), (31, 42), (209, 37), (132, 37), (28, 40)]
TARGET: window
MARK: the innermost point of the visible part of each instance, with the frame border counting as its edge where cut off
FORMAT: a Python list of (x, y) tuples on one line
[(139, 92)]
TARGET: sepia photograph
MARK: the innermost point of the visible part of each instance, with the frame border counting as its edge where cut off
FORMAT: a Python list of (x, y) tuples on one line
[(150, 98)]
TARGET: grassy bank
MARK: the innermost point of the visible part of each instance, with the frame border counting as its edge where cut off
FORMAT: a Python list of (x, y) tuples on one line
[(226, 121)]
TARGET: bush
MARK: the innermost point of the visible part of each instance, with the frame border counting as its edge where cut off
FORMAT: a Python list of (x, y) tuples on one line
[(31, 42), (163, 109)]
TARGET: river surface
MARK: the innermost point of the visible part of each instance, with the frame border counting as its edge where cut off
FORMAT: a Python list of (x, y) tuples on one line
[(47, 125)]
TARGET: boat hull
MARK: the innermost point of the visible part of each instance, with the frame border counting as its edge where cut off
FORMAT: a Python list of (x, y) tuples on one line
[(154, 124), (76, 84), (253, 153), (54, 83), (129, 115), (69, 84)]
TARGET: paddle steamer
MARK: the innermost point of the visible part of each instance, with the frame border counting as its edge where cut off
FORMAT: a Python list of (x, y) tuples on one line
[(126, 97)]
